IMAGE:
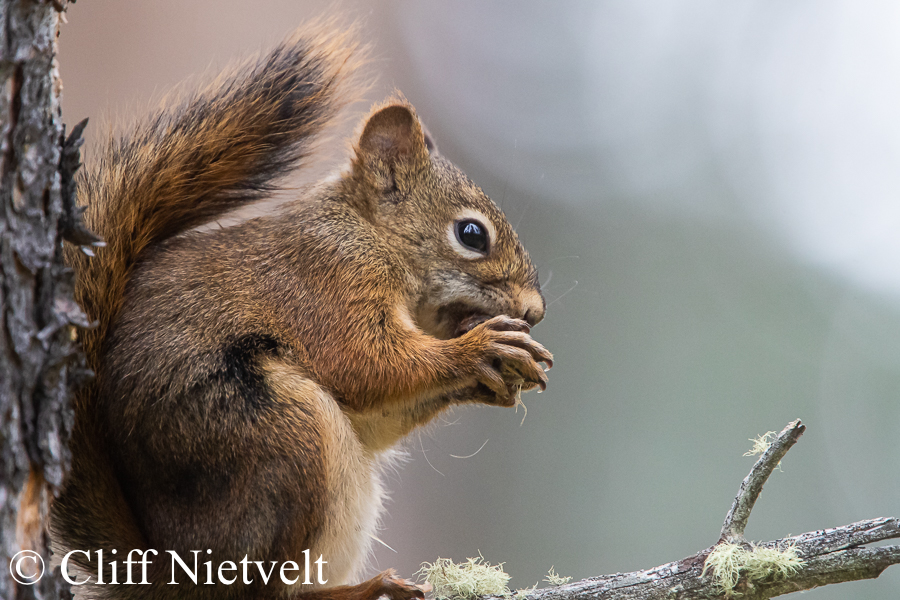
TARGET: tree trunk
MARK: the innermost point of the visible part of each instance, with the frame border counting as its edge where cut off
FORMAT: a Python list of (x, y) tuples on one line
[(39, 363)]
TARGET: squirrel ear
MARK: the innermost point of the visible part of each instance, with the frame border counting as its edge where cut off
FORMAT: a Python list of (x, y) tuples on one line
[(391, 151)]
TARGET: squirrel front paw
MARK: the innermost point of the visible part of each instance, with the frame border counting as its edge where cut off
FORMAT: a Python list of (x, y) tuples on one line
[(508, 358)]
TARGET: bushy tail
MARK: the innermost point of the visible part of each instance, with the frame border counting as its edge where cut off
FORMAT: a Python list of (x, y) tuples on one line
[(217, 150), (222, 148)]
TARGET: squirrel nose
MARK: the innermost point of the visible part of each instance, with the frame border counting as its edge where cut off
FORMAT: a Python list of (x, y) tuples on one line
[(534, 308)]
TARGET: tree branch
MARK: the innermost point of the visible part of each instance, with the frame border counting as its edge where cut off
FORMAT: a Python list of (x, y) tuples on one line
[(737, 517), (828, 555)]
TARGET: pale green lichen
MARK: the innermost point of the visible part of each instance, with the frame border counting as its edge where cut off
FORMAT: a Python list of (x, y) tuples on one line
[(522, 404), (728, 562), (524, 593), (465, 580), (761, 443), (725, 561), (553, 578)]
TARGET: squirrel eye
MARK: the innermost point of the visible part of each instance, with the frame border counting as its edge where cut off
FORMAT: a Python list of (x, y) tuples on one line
[(472, 235)]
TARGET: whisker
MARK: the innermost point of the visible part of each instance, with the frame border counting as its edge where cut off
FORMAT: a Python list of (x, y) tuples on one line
[(549, 279), (553, 260), (422, 446), (541, 266), (474, 453), (522, 215), (446, 422), (563, 295), (380, 541)]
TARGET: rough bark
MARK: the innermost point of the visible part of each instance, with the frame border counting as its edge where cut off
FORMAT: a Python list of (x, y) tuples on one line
[(39, 363)]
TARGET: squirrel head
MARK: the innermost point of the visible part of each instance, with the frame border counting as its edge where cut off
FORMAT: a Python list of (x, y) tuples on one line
[(456, 244)]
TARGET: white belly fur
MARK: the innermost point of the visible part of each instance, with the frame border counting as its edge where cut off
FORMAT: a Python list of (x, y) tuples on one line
[(355, 481), (353, 472)]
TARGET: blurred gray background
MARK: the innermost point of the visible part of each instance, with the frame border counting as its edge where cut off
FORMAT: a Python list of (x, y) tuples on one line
[(711, 191)]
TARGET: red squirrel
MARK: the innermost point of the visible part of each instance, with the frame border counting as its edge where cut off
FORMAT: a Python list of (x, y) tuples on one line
[(250, 380)]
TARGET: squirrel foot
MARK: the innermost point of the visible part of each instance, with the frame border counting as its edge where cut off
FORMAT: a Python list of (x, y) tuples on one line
[(385, 584), (397, 588)]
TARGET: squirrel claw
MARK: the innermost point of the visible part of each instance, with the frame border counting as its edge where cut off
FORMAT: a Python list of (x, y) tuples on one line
[(397, 588)]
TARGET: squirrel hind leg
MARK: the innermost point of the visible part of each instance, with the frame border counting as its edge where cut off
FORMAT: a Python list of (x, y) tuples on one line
[(385, 584)]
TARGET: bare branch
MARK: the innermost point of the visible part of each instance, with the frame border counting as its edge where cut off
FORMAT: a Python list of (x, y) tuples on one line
[(828, 555), (736, 519)]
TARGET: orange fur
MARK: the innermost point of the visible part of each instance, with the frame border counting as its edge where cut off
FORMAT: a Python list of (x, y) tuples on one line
[(251, 381)]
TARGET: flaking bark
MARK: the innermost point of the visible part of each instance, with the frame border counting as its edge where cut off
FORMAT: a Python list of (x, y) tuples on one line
[(39, 363)]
